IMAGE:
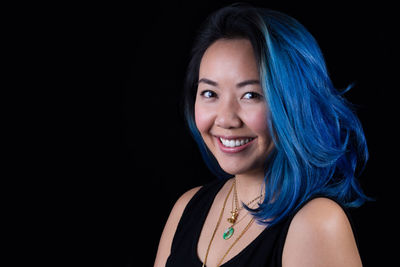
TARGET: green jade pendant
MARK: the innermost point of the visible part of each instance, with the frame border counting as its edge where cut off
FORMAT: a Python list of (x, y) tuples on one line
[(228, 233)]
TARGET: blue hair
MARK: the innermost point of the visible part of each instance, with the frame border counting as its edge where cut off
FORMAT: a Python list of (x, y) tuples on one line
[(320, 147)]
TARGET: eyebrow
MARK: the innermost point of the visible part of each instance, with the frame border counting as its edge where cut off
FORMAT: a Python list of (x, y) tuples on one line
[(239, 85)]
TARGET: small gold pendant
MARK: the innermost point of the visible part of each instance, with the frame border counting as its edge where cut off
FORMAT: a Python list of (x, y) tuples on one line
[(233, 217)]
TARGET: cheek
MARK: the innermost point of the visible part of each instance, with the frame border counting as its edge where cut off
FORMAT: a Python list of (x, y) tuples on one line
[(203, 118), (257, 122)]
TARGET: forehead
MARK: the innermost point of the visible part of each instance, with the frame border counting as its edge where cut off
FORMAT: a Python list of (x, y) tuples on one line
[(229, 59)]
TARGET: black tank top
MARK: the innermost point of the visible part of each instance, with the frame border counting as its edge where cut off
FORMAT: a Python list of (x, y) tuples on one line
[(265, 250)]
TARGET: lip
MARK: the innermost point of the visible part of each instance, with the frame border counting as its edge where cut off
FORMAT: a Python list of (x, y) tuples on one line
[(233, 150)]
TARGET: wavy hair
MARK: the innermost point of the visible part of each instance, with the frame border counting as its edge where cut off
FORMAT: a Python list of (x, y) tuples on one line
[(320, 147)]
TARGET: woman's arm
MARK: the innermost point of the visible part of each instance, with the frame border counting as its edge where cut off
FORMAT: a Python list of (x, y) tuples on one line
[(320, 235), (164, 247)]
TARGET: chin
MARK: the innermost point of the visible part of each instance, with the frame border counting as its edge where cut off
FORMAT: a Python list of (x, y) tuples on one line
[(235, 168)]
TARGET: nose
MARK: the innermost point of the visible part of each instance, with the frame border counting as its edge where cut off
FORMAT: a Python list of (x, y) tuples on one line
[(227, 115)]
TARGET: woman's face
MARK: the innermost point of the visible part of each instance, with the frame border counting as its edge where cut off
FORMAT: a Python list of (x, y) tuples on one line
[(230, 109)]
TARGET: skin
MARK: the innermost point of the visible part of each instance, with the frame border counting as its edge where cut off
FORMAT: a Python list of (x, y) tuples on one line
[(225, 109), (319, 235)]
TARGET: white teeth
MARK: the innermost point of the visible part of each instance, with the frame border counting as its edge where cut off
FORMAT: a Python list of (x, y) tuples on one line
[(235, 143)]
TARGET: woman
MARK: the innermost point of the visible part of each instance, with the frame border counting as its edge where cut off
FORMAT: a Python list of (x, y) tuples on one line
[(283, 141)]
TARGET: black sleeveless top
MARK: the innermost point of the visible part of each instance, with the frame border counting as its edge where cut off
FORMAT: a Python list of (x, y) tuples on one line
[(265, 250)]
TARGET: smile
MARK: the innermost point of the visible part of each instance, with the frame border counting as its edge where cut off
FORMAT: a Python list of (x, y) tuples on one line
[(235, 142)]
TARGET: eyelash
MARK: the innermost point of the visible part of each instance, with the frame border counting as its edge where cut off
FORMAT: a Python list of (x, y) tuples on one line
[(203, 93), (256, 95)]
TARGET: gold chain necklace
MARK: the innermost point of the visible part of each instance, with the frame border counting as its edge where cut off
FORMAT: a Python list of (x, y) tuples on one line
[(235, 212), (216, 227), (237, 222)]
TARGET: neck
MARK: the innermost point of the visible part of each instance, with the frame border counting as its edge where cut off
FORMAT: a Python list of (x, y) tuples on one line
[(249, 186)]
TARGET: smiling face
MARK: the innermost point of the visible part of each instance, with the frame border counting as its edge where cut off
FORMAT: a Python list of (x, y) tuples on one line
[(230, 109)]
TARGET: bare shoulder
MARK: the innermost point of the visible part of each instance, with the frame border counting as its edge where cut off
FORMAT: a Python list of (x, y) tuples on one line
[(320, 234), (167, 236), (181, 203), (321, 213)]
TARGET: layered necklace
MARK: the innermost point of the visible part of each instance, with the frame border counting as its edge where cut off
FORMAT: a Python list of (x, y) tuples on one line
[(233, 220), (235, 212)]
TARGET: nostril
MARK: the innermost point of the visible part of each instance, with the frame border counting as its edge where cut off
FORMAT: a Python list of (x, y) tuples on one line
[(228, 121)]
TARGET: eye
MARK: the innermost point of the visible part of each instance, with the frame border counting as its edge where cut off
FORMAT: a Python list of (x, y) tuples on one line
[(208, 94), (251, 95)]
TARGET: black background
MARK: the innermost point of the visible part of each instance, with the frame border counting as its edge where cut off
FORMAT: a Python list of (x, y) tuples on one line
[(135, 156)]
